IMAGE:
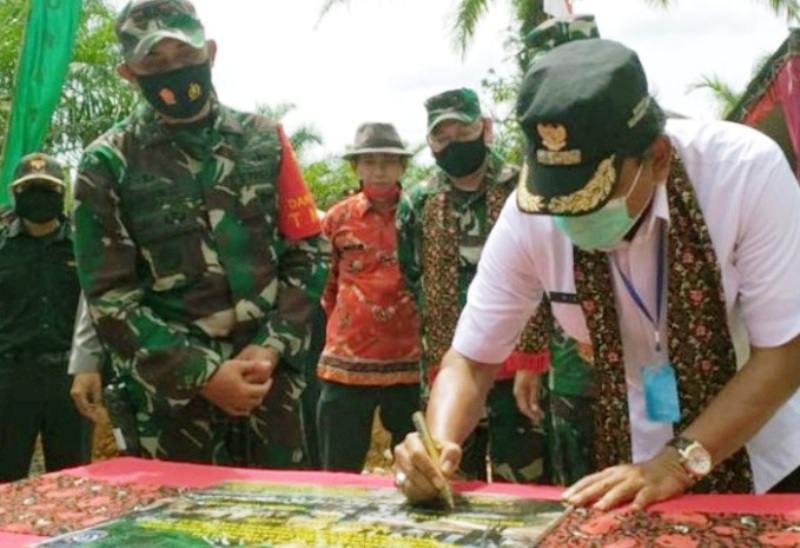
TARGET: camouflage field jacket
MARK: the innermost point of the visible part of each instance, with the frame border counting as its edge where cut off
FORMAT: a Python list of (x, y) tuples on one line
[(179, 251)]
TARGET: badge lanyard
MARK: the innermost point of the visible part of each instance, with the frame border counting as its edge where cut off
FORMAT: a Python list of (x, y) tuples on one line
[(662, 403), (656, 321)]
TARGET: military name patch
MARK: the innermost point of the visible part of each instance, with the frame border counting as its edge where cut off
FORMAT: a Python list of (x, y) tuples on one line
[(552, 158)]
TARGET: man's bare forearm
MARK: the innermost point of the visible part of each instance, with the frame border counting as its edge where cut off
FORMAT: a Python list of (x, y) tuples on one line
[(458, 397), (749, 400)]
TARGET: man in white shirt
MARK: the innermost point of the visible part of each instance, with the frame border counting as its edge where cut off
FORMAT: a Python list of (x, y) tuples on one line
[(674, 251)]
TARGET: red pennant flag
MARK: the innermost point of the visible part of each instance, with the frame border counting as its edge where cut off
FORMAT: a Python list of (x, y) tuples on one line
[(297, 213)]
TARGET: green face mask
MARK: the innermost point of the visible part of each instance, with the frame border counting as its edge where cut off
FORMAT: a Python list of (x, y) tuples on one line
[(604, 228)]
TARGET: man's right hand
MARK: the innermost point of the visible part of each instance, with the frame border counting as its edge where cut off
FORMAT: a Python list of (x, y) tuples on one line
[(527, 393), (86, 393), (424, 479), (233, 387)]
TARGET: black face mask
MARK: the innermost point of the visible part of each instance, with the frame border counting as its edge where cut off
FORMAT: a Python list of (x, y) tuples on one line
[(180, 93), (39, 205), (462, 158)]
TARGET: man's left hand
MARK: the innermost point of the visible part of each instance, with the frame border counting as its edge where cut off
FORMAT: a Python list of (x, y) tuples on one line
[(651, 481)]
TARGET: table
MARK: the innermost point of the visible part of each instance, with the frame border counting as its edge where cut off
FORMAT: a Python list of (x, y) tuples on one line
[(691, 520)]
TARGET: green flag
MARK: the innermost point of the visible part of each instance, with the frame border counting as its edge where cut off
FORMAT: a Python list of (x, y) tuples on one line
[(44, 59)]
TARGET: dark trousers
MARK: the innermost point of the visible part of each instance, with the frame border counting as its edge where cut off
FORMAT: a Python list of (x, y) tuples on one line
[(34, 399), (345, 415)]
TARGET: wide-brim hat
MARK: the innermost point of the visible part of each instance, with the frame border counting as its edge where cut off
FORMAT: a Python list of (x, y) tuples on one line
[(37, 167), (143, 23), (376, 137), (582, 107)]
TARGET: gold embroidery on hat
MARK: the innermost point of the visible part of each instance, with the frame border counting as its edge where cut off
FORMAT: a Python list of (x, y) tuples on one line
[(587, 198), (195, 91), (37, 164), (639, 111), (530, 203), (554, 136), (566, 158)]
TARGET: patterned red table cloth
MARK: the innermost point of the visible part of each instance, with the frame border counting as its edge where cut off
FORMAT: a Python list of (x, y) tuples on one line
[(76, 498)]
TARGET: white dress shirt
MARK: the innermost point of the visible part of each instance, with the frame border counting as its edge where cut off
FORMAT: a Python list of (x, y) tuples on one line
[(751, 205)]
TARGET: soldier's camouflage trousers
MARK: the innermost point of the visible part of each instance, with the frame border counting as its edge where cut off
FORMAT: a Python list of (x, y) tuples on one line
[(515, 444), (570, 435), (271, 437)]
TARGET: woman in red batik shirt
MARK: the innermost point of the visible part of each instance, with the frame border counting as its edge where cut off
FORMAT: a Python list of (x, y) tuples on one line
[(372, 350)]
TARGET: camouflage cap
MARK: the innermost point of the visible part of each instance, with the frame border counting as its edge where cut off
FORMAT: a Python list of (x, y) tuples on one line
[(560, 30), (143, 23), (456, 104), (37, 167)]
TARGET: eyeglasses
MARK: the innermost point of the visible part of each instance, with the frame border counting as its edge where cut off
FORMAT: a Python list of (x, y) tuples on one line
[(458, 133)]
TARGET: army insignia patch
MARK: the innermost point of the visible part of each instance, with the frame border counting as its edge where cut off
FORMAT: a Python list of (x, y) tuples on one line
[(37, 164), (168, 96), (195, 91), (554, 136)]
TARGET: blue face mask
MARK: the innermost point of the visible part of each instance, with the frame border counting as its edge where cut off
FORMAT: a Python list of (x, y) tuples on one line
[(604, 228)]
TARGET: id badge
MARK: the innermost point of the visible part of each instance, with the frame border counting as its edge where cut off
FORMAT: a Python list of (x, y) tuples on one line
[(661, 393)]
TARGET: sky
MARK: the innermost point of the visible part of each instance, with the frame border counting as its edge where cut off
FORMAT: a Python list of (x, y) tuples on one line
[(378, 60)]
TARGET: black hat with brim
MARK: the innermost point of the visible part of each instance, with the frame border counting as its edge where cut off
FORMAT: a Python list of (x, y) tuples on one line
[(582, 106)]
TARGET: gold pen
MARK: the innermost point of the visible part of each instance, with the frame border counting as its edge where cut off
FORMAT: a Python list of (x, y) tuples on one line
[(433, 453)]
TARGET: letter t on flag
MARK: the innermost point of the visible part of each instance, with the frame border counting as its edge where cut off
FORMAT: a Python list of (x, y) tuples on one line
[(558, 8)]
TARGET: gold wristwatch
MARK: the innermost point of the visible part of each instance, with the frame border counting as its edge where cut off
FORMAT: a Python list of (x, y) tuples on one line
[(695, 459)]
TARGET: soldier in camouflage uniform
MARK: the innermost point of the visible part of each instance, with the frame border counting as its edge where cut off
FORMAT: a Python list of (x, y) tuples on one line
[(199, 252), (441, 232)]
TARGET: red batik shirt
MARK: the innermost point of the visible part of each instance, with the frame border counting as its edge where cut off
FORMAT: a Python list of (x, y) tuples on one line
[(373, 323)]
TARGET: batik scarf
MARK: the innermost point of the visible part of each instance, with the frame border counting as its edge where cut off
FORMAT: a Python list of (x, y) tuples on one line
[(700, 347), (441, 238)]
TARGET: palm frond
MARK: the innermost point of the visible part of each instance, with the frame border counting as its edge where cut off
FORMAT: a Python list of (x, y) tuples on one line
[(789, 8), (275, 112), (724, 95), (465, 21)]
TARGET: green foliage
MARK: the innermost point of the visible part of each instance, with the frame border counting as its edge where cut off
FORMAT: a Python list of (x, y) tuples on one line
[(467, 15), (332, 178), (329, 180), (417, 170), (508, 138), (302, 137), (724, 95), (94, 97)]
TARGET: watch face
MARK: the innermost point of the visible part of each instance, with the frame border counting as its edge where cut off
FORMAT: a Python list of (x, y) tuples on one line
[(698, 461)]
